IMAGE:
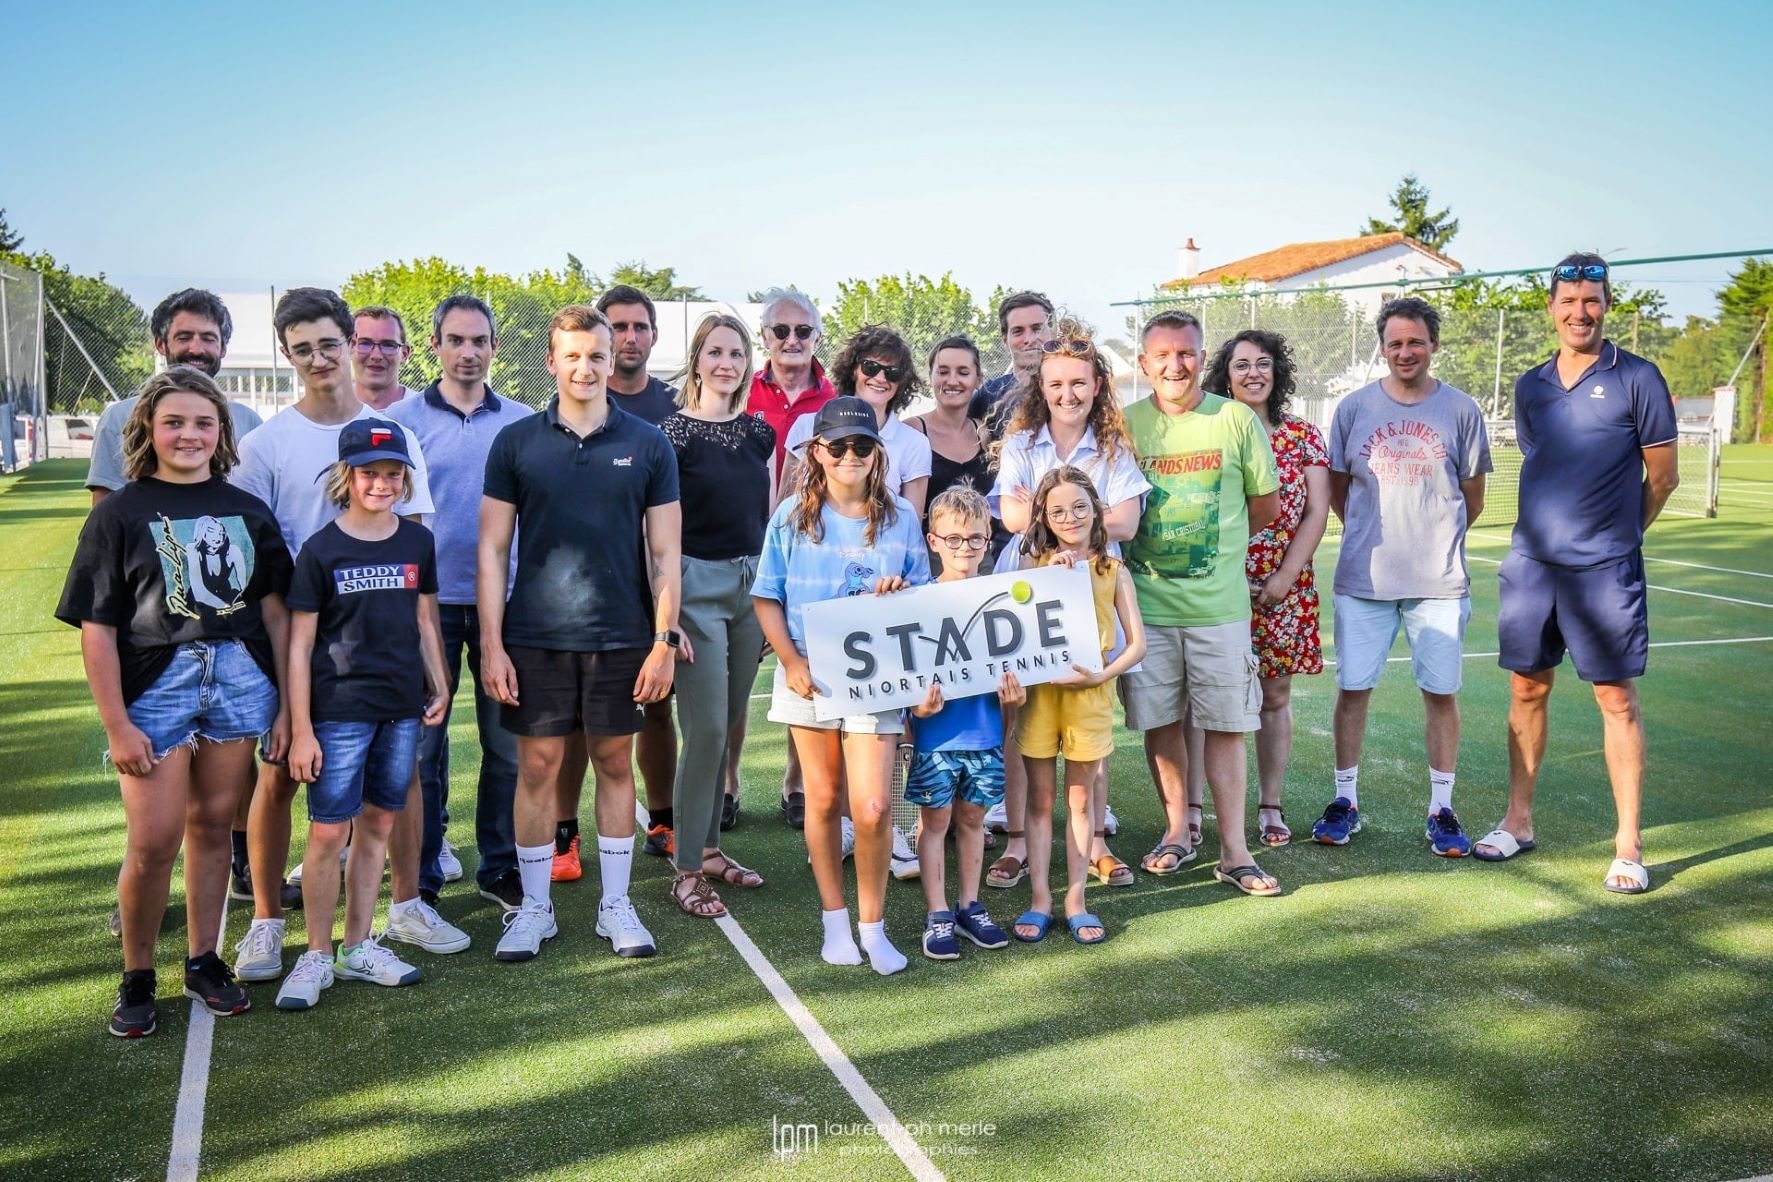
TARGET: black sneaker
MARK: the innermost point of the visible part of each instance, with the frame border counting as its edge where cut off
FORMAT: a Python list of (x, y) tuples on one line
[(212, 984), (114, 925), (240, 885), (291, 896), (506, 890), (136, 1015)]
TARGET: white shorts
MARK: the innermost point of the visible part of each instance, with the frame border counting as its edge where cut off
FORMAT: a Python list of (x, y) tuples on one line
[(1367, 628), (790, 709)]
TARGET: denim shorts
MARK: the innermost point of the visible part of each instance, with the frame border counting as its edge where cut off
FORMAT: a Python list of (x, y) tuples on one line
[(935, 776), (362, 762), (1367, 628), (212, 690), (1598, 614)]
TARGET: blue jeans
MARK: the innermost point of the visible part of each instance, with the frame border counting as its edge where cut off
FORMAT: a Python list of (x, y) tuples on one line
[(211, 689), (494, 830), (362, 763)]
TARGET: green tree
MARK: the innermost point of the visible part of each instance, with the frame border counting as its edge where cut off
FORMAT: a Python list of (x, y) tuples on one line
[(1409, 203), (10, 239), (110, 325), (922, 309), (1744, 306), (661, 284)]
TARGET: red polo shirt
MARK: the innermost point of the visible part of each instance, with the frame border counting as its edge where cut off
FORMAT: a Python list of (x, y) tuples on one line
[(770, 403)]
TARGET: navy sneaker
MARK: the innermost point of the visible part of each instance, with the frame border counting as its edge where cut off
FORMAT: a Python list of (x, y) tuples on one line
[(212, 985), (1340, 822), (1446, 837), (938, 937), (135, 1015), (975, 924)]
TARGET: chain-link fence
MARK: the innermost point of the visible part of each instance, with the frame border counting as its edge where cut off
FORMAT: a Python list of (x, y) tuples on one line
[(21, 363)]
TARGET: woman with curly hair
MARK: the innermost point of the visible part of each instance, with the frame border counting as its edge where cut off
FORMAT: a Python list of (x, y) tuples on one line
[(1256, 368), (875, 366)]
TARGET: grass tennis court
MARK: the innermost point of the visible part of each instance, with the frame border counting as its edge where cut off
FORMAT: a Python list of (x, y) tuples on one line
[(1392, 1015)]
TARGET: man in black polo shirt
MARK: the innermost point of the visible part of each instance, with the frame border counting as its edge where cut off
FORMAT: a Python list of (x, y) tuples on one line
[(589, 636)]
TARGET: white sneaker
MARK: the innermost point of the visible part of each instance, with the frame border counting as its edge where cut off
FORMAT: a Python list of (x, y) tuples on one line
[(295, 876), (260, 951), (301, 989), (525, 929), (1110, 823), (997, 818), (450, 865), (904, 860), (370, 961), (418, 923), (849, 836), (618, 923)]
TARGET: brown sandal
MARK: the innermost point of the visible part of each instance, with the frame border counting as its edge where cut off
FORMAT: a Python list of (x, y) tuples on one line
[(731, 873), (700, 900), (1274, 836), (1007, 871), (1110, 870)]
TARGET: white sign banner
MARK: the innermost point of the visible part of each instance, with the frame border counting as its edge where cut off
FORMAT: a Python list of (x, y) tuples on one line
[(881, 652)]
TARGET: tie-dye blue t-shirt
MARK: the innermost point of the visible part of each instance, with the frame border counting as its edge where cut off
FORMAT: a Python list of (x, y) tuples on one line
[(794, 570)]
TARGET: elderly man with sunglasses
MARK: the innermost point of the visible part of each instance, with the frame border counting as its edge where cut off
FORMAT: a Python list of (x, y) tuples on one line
[(1598, 435), (791, 383)]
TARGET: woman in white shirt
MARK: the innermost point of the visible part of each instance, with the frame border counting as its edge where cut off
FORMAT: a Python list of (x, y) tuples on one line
[(875, 366)]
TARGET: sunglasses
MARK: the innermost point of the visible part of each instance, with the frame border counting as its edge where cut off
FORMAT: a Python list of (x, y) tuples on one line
[(859, 446), (802, 332), (1075, 348), (1571, 272), (871, 368)]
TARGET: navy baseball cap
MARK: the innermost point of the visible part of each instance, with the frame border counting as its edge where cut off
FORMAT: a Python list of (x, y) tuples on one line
[(842, 418), (364, 441)]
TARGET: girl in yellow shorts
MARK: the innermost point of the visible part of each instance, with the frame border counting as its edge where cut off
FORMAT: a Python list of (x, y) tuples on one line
[(1073, 717)]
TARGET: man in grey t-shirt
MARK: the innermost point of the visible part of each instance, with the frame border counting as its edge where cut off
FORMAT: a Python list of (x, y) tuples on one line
[(1408, 458)]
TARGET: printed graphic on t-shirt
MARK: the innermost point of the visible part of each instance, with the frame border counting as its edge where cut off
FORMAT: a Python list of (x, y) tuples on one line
[(379, 576), (1179, 532), (207, 563), (1404, 453), (858, 579)]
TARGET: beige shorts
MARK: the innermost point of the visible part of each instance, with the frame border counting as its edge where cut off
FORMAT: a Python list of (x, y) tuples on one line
[(1211, 670), (790, 709)]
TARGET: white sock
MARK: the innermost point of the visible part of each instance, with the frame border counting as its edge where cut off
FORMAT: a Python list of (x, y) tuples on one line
[(534, 863), (615, 857), (1440, 791), (1348, 784), (276, 923), (881, 954), (840, 943), (402, 908)]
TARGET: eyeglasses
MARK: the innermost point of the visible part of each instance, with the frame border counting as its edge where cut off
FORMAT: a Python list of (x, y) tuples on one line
[(1078, 512), (871, 367), (970, 541), (1260, 365), (860, 446), (1077, 348), (802, 332), (329, 349), (365, 347), (1571, 272)]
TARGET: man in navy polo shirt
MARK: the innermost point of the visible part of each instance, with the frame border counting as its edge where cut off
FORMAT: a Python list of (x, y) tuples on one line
[(1597, 429), (455, 420), (1024, 323), (589, 636)]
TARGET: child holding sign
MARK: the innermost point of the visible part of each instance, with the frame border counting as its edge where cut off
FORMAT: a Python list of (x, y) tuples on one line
[(1073, 716), (362, 603), (959, 747), (841, 534)]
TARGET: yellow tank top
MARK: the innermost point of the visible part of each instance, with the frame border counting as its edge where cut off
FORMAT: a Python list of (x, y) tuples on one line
[(1102, 585)]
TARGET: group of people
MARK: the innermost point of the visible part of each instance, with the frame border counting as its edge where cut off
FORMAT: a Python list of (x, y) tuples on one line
[(617, 564)]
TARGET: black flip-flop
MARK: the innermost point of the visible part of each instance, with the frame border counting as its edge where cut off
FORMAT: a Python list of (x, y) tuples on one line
[(794, 810)]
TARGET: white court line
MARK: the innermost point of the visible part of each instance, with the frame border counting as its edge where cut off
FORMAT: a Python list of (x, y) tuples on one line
[(1658, 587), (187, 1119), (866, 1098)]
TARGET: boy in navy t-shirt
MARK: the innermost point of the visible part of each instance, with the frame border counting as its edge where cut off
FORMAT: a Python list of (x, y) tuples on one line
[(959, 751)]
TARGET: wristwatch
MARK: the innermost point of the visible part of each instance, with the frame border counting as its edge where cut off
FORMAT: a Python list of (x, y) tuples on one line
[(674, 639)]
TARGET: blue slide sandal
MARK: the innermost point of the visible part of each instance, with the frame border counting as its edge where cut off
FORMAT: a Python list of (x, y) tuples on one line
[(1038, 919), (1078, 922)]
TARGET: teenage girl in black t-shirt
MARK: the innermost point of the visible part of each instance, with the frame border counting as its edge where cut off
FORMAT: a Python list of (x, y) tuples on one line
[(176, 587)]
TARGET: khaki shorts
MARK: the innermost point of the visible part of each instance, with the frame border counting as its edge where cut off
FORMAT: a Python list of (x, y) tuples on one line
[(1211, 670)]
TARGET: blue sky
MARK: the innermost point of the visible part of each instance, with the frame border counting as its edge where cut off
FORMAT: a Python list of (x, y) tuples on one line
[(1067, 147)]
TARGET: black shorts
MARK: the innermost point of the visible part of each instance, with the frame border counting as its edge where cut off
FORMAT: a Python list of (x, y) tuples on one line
[(561, 692)]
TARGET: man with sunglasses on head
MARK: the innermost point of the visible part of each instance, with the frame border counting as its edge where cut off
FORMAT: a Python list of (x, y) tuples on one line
[(1598, 435), (792, 383), (1024, 324), (377, 357)]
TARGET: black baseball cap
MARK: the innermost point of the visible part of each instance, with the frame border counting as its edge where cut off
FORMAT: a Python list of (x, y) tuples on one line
[(364, 441), (842, 418)]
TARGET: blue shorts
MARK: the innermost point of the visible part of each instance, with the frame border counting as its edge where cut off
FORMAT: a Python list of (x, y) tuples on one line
[(1367, 628), (362, 762), (1600, 614), (212, 690), (935, 775)]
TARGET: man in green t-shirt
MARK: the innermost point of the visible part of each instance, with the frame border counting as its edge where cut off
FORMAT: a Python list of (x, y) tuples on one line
[(1213, 483)]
